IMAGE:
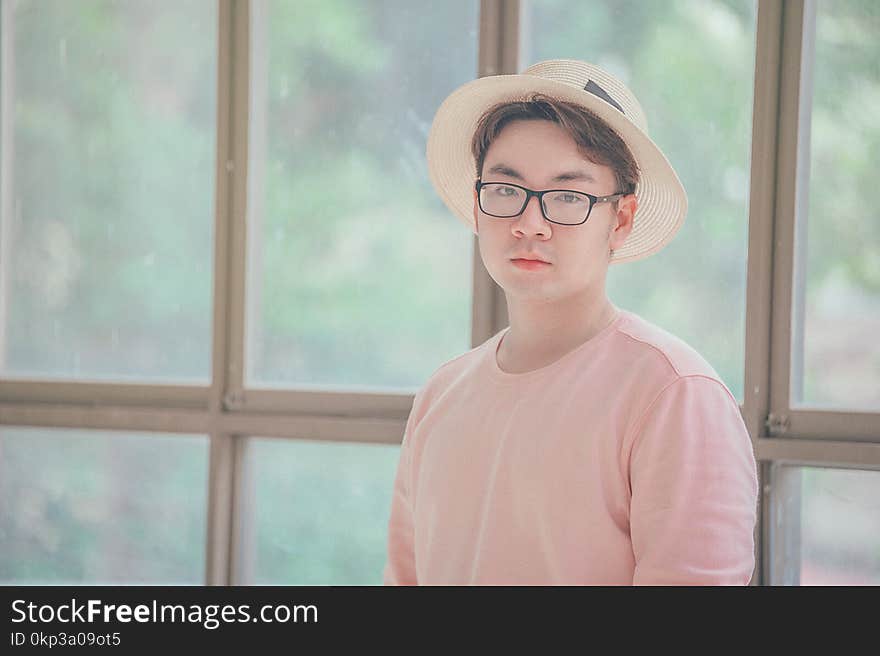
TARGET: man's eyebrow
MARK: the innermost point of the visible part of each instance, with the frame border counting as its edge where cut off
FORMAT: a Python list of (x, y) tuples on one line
[(574, 175), (566, 176)]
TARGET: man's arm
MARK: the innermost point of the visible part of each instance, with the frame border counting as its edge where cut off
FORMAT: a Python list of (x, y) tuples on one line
[(400, 567), (694, 486)]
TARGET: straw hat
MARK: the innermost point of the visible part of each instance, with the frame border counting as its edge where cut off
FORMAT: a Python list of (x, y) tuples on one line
[(662, 201)]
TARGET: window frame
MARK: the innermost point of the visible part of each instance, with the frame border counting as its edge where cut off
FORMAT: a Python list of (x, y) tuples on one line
[(229, 413)]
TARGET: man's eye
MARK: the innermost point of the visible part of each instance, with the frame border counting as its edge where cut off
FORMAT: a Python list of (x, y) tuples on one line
[(506, 191), (570, 198)]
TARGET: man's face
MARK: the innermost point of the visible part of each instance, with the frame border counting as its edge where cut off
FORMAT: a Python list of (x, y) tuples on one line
[(540, 155)]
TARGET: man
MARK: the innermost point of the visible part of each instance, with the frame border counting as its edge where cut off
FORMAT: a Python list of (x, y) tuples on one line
[(581, 444)]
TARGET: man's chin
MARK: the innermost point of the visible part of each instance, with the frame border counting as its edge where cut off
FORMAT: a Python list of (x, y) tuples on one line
[(534, 291)]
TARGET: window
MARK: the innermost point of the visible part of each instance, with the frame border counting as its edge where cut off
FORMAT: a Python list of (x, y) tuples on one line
[(835, 358), (107, 190), (829, 526), (311, 512), (101, 507), (822, 436), (219, 209), (357, 277), (224, 272)]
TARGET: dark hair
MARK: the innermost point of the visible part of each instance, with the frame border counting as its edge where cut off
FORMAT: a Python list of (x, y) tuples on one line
[(594, 137)]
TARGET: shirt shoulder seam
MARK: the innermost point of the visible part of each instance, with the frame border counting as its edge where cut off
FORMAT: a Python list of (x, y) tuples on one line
[(654, 347), (639, 425)]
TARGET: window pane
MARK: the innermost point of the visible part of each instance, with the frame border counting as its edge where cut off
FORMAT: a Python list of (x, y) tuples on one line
[(832, 520), (691, 65), (357, 273), (835, 353), (106, 214), (316, 513), (96, 508)]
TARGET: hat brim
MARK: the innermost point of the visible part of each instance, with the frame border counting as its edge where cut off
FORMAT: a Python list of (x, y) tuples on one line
[(661, 198)]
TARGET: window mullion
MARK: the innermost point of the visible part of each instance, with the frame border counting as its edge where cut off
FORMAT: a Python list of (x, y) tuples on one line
[(231, 204), (229, 249), (783, 244), (759, 287), (786, 206)]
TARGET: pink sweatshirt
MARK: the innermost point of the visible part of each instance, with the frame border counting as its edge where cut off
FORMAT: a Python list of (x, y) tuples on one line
[(624, 462)]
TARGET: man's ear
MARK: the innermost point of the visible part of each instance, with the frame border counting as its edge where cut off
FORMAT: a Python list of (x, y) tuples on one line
[(626, 210)]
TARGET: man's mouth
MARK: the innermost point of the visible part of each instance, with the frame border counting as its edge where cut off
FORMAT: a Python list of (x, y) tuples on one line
[(530, 265)]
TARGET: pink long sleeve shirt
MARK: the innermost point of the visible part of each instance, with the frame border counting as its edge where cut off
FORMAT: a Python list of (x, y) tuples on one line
[(625, 462)]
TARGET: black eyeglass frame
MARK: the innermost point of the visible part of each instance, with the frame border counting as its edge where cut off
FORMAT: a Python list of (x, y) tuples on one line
[(540, 195)]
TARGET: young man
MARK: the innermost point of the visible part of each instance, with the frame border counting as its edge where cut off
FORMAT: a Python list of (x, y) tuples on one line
[(581, 444)]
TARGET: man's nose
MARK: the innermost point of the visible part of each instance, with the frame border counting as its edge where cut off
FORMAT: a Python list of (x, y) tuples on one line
[(532, 216)]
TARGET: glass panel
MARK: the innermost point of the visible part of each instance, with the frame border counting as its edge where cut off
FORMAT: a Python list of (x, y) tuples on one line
[(316, 512), (106, 217), (357, 273), (835, 353), (691, 65), (829, 526), (96, 508)]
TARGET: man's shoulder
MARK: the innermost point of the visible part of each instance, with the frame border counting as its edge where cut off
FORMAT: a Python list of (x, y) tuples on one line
[(453, 371), (645, 345), (652, 360)]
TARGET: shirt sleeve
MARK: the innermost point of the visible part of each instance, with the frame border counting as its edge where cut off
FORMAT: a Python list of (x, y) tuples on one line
[(693, 477), (400, 566)]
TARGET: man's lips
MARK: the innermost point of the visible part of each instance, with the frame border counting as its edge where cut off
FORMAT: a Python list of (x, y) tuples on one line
[(530, 265), (528, 259)]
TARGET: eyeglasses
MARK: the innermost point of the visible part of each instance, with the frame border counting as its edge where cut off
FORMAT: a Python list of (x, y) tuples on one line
[(563, 206)]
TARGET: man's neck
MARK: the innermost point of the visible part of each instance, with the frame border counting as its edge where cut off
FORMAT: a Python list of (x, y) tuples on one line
[(539, 335)]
